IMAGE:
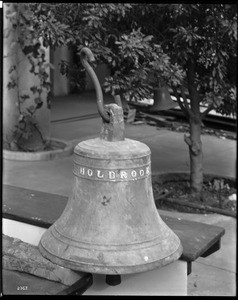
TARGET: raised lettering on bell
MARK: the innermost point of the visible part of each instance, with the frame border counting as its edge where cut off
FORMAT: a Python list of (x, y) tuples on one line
[(112, 175)]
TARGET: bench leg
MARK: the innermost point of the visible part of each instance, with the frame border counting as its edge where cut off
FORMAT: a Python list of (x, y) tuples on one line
[(212, 249)]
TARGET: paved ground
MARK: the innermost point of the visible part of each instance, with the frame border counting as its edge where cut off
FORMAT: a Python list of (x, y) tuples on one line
[(211, 276)]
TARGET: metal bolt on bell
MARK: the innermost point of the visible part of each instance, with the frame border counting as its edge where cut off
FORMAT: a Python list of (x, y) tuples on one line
[(110, 224)]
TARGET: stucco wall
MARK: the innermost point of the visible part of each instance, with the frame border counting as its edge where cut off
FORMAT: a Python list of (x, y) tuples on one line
[(61, 86)]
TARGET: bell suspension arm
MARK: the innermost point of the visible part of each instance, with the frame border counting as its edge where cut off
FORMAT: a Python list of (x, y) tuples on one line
[(87, 56)]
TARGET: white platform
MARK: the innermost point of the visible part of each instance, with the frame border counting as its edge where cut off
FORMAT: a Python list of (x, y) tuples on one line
[(169, 280)]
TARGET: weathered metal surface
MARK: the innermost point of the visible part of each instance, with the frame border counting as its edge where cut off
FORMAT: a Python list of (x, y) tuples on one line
[(110, 224), (115, 129), (86, 57)]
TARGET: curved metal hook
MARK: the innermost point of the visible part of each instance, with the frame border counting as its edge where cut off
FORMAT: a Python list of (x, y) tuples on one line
[(85, 56)]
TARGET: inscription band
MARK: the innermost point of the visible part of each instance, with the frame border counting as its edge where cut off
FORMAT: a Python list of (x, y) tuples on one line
[(112, 175)]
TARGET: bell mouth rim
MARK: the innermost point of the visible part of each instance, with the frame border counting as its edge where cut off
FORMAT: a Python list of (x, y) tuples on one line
[(145, 244), (111, 269)]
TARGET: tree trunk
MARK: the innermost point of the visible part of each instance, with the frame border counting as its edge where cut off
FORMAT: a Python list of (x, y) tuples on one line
[(196, 157), (13, 107), (194, 140)]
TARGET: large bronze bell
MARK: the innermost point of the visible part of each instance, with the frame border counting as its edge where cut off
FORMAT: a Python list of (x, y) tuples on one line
[(110, 224), (162, 100)]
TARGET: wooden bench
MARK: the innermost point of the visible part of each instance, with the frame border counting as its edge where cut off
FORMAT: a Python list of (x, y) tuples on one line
[(43, 209)]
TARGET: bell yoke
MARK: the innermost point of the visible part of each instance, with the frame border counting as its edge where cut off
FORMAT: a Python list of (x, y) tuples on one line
[(110, 224)]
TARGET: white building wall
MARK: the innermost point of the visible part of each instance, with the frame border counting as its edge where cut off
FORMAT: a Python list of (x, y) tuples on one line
[(61, 86)]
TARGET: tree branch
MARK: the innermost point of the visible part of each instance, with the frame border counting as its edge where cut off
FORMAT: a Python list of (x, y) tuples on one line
[(180, 103), (206, 112), (184, 107), (184, 98)]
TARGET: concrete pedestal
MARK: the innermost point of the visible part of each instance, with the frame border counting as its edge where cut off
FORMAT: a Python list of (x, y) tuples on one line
[(168, 280), (27, 233)]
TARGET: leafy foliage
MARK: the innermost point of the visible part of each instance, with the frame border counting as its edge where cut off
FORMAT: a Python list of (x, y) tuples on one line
[(189, 47), (26, 38), (202, 39)]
